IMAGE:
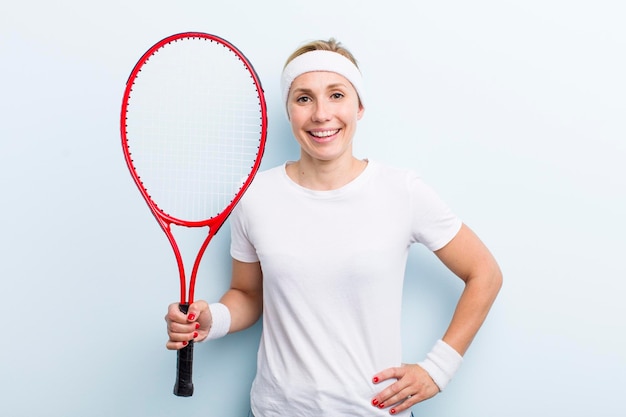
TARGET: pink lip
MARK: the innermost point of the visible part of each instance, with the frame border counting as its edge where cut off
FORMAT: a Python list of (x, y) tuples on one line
[(324, 139)]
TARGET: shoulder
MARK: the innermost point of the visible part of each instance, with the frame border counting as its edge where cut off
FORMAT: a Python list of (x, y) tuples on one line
[(406, 183), (396, 177), (265, 184), (270, 173), (267, 178)]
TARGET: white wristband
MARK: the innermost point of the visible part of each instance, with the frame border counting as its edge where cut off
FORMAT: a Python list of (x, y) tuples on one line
[(441, 363), (221, 321)]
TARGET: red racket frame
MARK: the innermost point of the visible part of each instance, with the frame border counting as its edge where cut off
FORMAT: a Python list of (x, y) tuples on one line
[(165, 220)]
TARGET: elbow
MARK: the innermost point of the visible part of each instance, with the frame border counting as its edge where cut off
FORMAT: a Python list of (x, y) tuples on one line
[(495, 280), (488, 280)]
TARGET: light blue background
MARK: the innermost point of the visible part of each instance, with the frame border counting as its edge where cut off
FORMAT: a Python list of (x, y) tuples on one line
[(513, 110)]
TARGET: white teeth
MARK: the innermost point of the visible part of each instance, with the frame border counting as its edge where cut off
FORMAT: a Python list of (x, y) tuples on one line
[(325, 133)]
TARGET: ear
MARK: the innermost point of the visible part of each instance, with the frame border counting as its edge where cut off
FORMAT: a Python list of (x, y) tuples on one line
[(360, 112)]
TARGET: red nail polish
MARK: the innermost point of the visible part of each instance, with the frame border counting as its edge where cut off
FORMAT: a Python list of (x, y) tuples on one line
[(375, 379), (381, 406), (191, 317), (374, 402), (185, 343), (197, 326), (392, 411), (195, 334)]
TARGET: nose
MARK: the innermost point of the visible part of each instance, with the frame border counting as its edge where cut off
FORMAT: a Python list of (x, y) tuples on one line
[(321, 112)]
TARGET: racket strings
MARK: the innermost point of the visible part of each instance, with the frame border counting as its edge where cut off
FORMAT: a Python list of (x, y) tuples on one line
[(195, 129)]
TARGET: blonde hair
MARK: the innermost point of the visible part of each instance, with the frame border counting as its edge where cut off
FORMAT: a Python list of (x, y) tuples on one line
[(321, 45)]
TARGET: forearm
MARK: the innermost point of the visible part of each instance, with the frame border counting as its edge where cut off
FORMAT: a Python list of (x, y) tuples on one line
[(245, 308), (432, 374), (472, 308)]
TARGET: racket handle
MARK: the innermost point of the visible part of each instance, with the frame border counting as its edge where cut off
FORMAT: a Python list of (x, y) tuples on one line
[(184, 366)]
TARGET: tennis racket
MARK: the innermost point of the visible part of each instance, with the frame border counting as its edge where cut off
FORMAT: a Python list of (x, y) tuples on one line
[(193, 127)]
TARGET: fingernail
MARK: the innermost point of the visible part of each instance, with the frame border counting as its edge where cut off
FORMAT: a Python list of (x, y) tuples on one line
[(197, 326), (392, 411), (381, 406), (375, 379), (191, 317), (185, 343), (374, 402), (195, 334)]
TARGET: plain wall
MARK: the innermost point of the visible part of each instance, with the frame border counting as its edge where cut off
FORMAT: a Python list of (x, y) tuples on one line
[(512, 110)]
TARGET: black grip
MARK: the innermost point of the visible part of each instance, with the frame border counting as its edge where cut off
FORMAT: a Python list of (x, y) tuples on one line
[(184, 366)]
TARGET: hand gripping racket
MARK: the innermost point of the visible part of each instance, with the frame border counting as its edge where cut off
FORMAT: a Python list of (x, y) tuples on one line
[(193, 127)]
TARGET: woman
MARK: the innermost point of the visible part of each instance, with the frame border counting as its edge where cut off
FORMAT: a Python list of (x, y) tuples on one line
[(319, 248)]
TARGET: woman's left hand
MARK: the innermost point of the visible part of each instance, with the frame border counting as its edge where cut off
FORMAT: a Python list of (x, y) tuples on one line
[(413, 385)]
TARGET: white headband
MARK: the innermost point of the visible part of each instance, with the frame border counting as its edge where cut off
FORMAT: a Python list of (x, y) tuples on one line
[(320, 60)]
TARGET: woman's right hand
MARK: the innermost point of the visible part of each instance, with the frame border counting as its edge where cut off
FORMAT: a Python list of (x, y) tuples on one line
[(181, 327)]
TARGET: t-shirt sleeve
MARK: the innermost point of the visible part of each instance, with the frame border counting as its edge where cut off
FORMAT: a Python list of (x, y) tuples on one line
[(433, 223), (241, 248)]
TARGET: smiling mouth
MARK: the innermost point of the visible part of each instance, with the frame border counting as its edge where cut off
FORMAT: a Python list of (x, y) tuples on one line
[(324, 133)]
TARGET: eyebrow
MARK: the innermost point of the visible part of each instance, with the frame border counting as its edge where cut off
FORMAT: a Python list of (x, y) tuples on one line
[(329, 87)]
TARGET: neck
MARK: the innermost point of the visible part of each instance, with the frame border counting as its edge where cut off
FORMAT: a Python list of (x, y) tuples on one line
[(325, 175)]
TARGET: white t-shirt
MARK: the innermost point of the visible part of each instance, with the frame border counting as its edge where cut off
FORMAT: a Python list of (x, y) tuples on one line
[(333, 267)]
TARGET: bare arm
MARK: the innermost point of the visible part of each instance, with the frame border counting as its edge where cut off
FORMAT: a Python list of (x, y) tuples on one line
[(468, 258), (244, 299)]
